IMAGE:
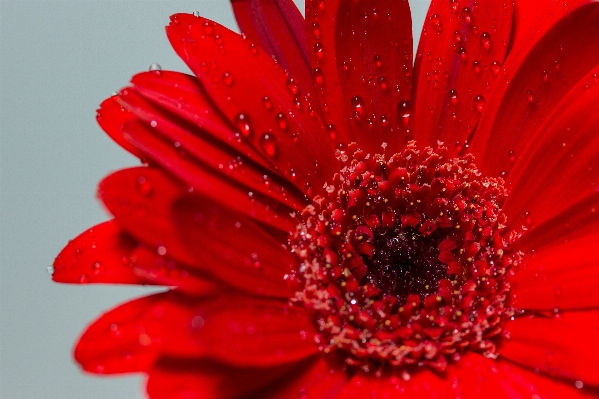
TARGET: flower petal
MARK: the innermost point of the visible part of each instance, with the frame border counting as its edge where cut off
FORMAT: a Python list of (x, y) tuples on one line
[(321, 41), (238, 330), (279, 28), (217, 159), (535, 77), (462, 48), (98, 255), (526, 15), (564, 346), (555, 277), (288, 136), (233, 248), (554, 184), (207, 379), (373, 50), (182, 95), (110, 117), (163, 270)]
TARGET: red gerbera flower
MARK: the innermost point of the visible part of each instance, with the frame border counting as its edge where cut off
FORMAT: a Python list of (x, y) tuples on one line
[(335, 223)]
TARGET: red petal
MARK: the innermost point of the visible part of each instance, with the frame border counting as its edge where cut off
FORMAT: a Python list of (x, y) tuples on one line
[(111, 116), (554, 180), (319, 380), (216, 158), (233, 248), (562, 277), (535, 78), (564, 346), (162, 270), (207, 379), (526, 14), (462, 48), (238, 330), (140, 199), (321, 39), (98, 255), (182, 95), (373, 48), (237, 77), (279, 28)]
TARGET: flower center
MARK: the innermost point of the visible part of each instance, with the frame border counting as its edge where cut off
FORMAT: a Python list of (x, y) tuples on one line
[(405, 262)]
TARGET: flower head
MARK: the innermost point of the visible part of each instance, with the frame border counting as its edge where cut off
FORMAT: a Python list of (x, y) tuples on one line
[(336, 222)]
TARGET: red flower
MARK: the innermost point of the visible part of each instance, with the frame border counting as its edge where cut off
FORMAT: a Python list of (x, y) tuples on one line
[(338, 224)]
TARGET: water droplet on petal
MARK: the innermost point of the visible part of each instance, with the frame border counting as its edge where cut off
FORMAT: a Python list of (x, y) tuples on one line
[(319, 50), (161, 250), (267, 103), (378, 61), (529, 96), (227, 79), (208, 27), (436, 22), (242, 121), (404, 110), (479, 103), (155, 68), (332, 131), (98, 269), (485, 40), (316, 29), (476, 66), (383, 83), (269, 144), (292, 86), (454, 5), (318, 76), (282, 121), (50, 269), (144, 186), (453, 97), (358, 106), (495, 67), (579, 384), (467, 15)]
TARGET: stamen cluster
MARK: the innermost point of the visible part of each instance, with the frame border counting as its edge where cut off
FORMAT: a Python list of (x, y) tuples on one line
[(405, 263)]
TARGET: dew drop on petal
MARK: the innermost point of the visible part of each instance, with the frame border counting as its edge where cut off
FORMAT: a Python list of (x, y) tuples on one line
[(319, 50), (208, 28), (495, 67), (155, 69), (467, 15), (144, 186), (358, 106), (453, 97), (476, 66), (227, 79), (50, 269), (282, 121), (479, 103), (485, 40), (269, 144), (454, 5), (383, 83), (267, 103), (404, 111), (332, 131), (436, 22), (529, 96), (292, 86), (242, 121)]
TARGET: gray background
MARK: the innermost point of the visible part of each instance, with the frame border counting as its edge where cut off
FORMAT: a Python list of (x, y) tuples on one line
[(58, 61)]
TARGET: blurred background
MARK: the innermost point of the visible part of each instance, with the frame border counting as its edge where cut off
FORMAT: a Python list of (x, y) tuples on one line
[(58, 60)]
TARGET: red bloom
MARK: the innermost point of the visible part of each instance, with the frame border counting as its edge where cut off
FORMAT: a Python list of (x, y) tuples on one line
[(338, 224)]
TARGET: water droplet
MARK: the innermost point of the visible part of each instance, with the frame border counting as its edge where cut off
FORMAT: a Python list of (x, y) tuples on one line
[(383, 83), (479, 103), (529, 96), (144, 186), (318, 76), (208, 28), (404, 111), (269, 144), (476, 66), (98, 269), (267, 103), (282, 121), (50, 269), (378, 61), (454, 6), (319, 50), (528, 220), (463, 53), (242, 121), (467, 15), (292, 86), (485, 40), (358, 106), (495, 67), (227, 79), (332, 131), (436, 22), (579, 384), (161, 250), (457, 36), (511, 156), (316, 29), (453, 97), (155, 68), (545, 76)]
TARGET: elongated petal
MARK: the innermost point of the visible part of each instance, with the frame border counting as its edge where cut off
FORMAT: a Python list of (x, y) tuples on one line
[(373, 49), (462, 48), (535, 77), (237, 330), (111, 117), (526, 13), (181, 95), (278, 27), (217, 159), (321, 42), (233, 248), (554, 183), (564, 346), (98, 255), (556, 277), (290, 137), (207, 379)]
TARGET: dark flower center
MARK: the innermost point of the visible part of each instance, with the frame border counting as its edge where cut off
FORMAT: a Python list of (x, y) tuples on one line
[(405, 262)]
